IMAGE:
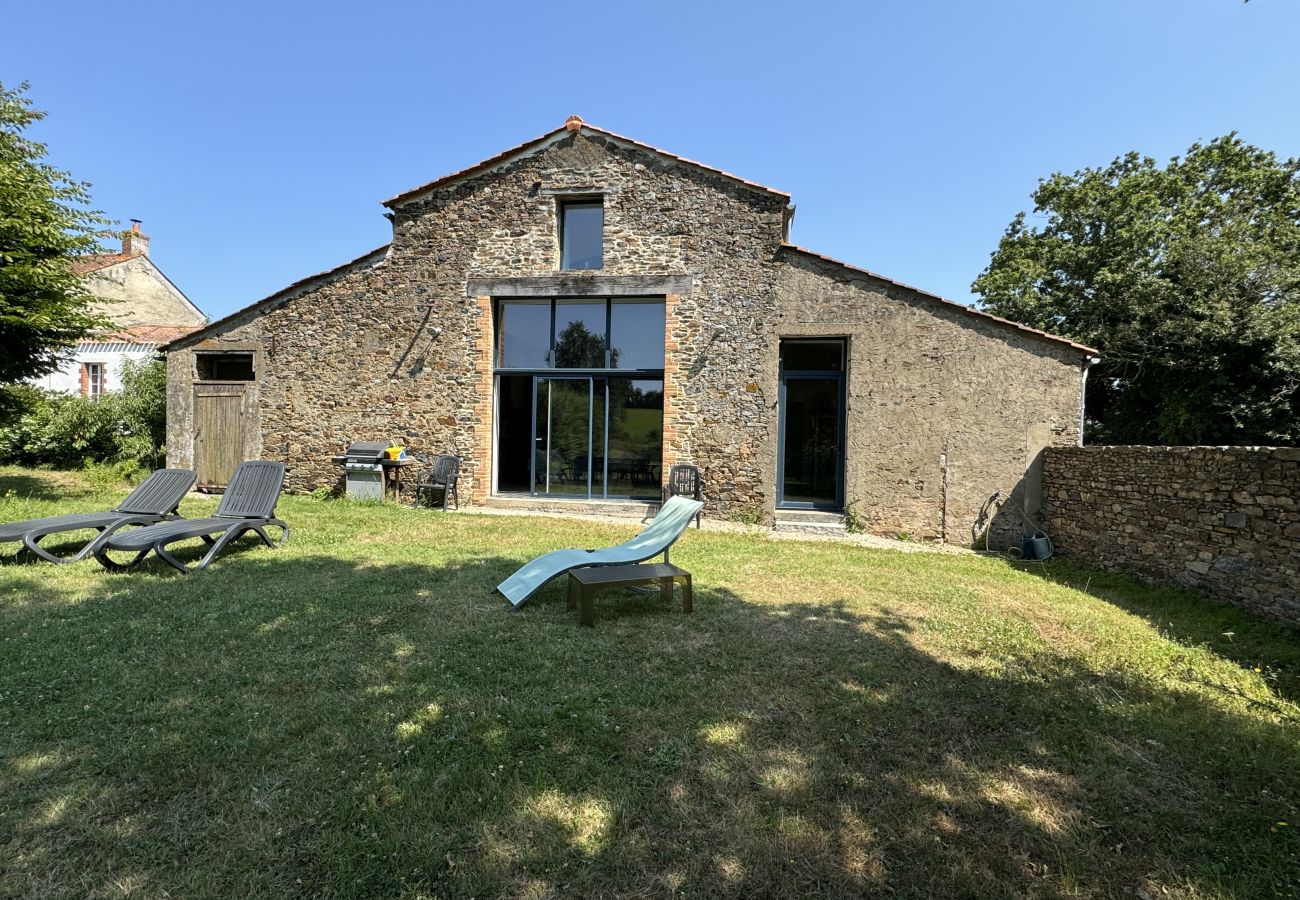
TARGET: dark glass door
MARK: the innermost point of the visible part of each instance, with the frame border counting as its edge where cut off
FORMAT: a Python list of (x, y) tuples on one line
[(812, 441)]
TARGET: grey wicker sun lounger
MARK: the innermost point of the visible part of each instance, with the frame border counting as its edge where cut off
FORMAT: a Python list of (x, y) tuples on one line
[(155, 500), (248, 505), (657, 538)]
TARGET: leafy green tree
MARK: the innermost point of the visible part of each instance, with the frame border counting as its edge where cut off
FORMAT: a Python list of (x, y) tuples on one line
[(44, 224), (1186, 278)]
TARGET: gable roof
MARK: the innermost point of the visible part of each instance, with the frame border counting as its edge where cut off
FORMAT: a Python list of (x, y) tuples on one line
[(95, 261), (574, 125), (279, 298), (969, 310), (149, 334)]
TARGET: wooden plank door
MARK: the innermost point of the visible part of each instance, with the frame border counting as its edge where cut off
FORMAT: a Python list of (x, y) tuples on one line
[(219, 438)]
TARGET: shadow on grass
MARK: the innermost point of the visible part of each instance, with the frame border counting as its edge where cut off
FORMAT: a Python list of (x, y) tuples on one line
[(67, 544), (318, 726), (28, 589), (1194, 619), (38, 487)]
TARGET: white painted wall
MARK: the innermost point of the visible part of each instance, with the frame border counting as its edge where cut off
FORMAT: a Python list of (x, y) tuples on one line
[(68, 378)]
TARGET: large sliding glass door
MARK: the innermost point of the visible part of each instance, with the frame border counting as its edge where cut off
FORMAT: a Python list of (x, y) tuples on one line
[(596, 433), (635, 429), (591, 437), (566, 427)]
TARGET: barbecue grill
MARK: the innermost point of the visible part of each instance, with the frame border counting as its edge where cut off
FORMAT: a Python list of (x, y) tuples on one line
[(363, 472)]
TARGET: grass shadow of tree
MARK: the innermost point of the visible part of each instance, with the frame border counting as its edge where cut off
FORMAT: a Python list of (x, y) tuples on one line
[(315, 725), (1192, 618), (51, 486)]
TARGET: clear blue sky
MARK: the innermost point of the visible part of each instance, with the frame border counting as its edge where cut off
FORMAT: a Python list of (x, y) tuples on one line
[(256, 140)]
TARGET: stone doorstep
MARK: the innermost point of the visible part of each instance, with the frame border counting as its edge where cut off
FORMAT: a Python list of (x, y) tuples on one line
[(630, 511), (828, 529), (810, 521), (616, 509)]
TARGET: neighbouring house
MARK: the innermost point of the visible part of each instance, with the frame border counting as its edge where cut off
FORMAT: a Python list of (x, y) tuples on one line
[(149, 310), (575, 315)]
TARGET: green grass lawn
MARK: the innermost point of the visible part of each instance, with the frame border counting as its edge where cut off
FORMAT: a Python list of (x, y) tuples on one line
[(356, 715)]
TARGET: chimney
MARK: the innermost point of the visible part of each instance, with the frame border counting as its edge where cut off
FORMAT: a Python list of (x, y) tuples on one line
[(135, 242)]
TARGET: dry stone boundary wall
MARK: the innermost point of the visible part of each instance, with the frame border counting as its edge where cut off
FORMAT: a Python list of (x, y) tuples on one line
[(1225, 520)]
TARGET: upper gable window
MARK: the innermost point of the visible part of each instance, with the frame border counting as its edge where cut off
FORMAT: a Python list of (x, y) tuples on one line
[(582, 233)]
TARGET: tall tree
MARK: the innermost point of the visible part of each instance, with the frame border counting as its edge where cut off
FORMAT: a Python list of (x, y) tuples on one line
[(1186, 277), (45, 223)]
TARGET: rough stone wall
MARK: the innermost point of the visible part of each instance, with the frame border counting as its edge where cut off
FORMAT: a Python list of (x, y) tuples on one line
[(1225, 520), (661, 218), (944, 408), (356, 357), (180, 409), (674, 438), (337, 363)]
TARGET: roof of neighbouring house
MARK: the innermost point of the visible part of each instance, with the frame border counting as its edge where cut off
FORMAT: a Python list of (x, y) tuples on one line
[(970, 310), (573, 125), (150, 334), (83, 264)]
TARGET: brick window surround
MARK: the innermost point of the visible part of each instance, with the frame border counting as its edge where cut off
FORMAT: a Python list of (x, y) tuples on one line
[(92, 380)]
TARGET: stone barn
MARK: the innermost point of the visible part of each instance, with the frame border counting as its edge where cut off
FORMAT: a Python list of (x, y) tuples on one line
[(577, 314)]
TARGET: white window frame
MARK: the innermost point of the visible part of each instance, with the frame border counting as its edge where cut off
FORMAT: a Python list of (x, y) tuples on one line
[(94, 380)]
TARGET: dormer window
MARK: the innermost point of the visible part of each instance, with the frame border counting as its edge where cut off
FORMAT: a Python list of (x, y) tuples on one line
[(582, 234)]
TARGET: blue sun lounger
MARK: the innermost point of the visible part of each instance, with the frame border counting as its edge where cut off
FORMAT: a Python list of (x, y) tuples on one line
[(657, 538)]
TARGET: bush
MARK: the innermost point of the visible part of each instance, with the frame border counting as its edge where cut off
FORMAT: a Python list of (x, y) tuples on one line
[(125, 428), (143, 414)]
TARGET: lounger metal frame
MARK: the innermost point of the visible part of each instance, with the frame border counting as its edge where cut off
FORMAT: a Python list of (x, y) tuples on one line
[(658, 537), (248, 505), (155, 500)]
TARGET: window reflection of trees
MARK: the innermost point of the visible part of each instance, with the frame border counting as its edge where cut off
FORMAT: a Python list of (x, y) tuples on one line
[(574, 410), (576, 347)]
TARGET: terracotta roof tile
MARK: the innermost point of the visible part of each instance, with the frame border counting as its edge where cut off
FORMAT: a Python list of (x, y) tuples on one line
[(83, 264), (966, 309), (150, 334)]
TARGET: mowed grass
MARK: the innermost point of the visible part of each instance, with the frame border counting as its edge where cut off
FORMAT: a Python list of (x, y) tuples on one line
[(356, 715)]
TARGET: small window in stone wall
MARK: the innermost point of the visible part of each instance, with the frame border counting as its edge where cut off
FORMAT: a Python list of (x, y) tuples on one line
[(582, 234), (224, 366)]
